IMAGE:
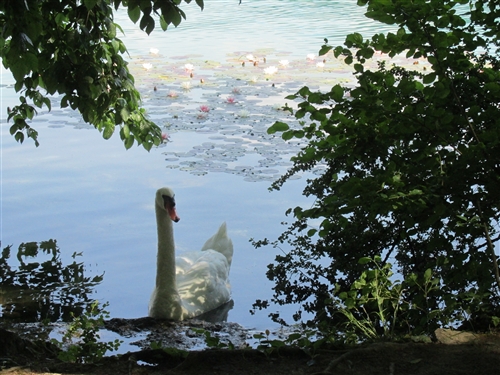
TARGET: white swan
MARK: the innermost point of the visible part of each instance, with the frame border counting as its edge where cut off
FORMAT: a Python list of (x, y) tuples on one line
[(192, 283)]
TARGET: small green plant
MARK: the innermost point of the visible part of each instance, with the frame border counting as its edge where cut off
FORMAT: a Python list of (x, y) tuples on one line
[(213, 341), (80, 343), (266, 344), (375, 306), (309, 341)]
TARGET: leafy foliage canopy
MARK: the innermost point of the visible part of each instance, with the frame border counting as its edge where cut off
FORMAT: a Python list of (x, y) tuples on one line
[(411, 164), (71, 48)]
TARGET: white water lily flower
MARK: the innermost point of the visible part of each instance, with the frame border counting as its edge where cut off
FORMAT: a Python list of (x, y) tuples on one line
[(243, 113), (271, 70), (321, 64), (311, 57), (186, 86), (188, 67), (250, 57), (284, 63), (147, 66), (154, 51)]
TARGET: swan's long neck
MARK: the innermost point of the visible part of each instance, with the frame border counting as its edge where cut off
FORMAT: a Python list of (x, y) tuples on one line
[(165, 271)]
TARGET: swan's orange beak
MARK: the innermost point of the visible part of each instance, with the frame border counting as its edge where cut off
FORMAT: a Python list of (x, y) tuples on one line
[(173, 214)]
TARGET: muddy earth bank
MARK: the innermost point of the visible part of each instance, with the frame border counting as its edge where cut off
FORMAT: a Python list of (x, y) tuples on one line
[(452, 352)]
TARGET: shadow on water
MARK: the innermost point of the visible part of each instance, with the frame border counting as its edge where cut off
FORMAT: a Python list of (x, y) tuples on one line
[(40, 288)]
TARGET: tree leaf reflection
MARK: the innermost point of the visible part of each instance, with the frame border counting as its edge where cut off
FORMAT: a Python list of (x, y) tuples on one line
[(41, 288)]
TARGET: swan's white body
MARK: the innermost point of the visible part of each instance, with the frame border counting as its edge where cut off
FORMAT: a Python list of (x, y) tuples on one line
[(192, 283)]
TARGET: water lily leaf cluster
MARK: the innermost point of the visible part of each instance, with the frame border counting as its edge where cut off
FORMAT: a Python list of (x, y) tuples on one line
[(72, 48), (411, 168)]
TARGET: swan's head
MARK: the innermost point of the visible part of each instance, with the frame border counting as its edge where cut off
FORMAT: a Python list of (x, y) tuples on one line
[(165, 200)]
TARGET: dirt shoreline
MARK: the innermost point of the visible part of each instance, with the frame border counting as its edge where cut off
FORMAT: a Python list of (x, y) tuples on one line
[(455, 353)]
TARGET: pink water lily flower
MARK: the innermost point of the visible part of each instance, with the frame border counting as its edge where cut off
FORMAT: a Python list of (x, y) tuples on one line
[(204, 108), (165, 137), (230, 100)]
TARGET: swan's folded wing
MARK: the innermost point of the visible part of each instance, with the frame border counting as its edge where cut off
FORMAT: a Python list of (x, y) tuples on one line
[(221, 243), (202, 280)]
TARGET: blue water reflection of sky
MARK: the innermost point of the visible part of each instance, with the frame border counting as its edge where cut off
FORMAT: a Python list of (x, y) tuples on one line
[(96, 198)]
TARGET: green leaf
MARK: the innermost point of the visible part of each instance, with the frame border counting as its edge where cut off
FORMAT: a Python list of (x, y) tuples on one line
[(109, 129), (381, 16), (429, 78), (311, 232), (304, 91), (337, 93), (163, 23), (427, 274), (286, 136), (147, 23), (349, 303), (364, 260), (13, 129), (318, 116), (19, 70), (89, 4), (129, 141), (359, 68), (125, 114), (277, 343), (176, 17), (354, 39), (31, 61), (389, 80), (324, 50), (126, 131), (278, 126), (134, 13), (19, 137)]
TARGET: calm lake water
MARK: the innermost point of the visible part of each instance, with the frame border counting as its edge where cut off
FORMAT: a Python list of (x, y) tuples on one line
[(95, 197)]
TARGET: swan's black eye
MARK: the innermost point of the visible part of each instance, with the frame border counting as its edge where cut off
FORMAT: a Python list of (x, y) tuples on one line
[(168, 201)]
